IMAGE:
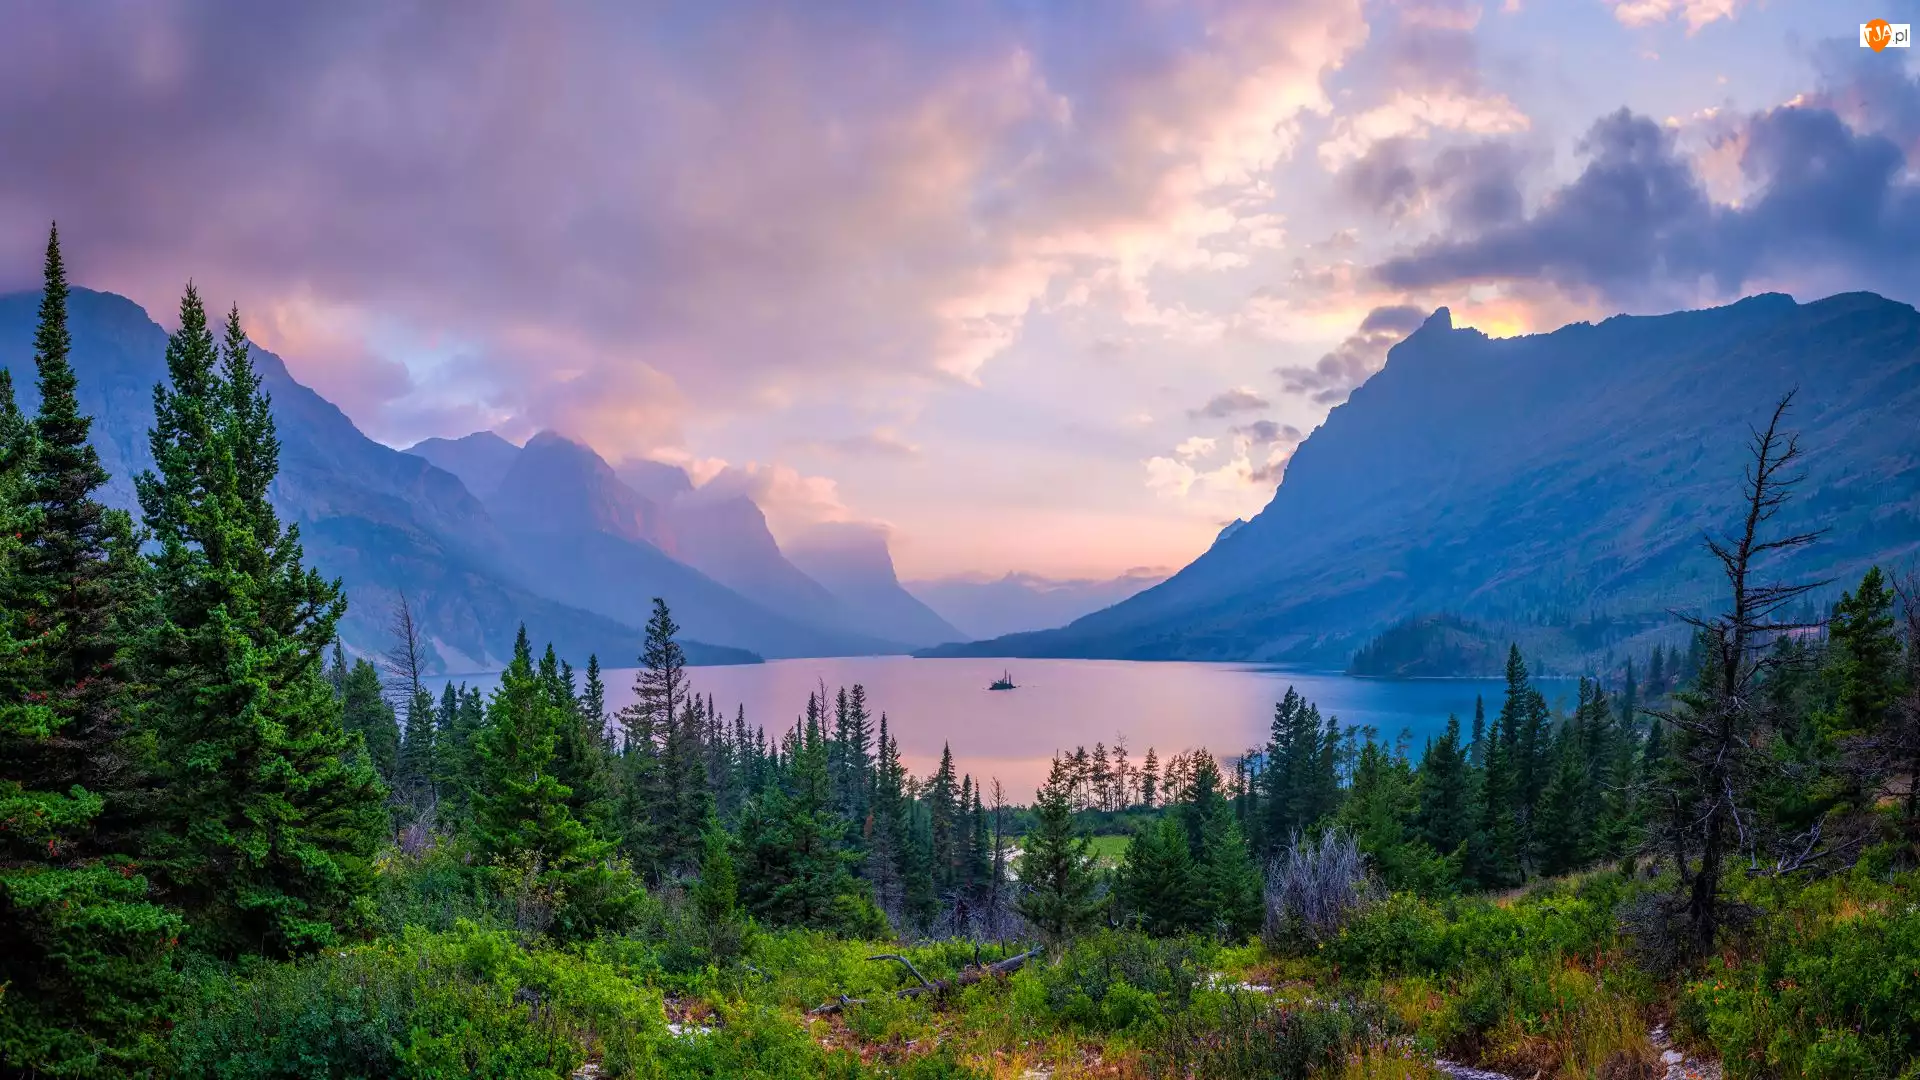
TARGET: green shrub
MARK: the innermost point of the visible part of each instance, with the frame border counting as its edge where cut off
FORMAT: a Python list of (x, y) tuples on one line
[(1840, 1000), (470, 1002), (1252, 1037), (1079, 986)]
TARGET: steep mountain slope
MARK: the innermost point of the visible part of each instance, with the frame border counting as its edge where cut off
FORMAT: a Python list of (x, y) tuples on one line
[(854, 564), (582, 536), (480, 460), (724, 537), (990, 607), (379, 519), (1562, 478)]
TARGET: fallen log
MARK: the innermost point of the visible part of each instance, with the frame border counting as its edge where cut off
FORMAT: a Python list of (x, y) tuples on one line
[(967, 977)]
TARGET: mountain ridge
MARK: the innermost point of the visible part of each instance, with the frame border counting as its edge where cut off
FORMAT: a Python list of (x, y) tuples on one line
[(1545, 477), (379, 519)]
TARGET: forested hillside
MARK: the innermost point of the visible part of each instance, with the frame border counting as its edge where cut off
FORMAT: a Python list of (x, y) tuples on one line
[(228, 850)]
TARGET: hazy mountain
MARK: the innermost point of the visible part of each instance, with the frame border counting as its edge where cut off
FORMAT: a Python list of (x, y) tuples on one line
[(379, 519), (853, 562), (582, 536), (655, 481), (727, 539), (480, 460), (556, 484), (566, 486), (1558, 480), (985, 607)]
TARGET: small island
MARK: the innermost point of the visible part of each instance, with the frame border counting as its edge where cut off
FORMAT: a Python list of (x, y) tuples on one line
[(1004, 682)]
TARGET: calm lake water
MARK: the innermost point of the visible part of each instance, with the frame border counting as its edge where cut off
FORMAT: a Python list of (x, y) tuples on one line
[(1061, 704)]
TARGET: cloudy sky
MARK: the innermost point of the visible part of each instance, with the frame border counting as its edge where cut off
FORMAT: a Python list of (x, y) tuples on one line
[(1042, 286)]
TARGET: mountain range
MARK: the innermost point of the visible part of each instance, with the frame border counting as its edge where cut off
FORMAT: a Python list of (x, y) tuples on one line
[(985, 606), (481, 535), (1554, 484)]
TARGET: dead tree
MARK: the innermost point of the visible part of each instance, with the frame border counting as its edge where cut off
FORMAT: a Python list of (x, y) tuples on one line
[(1720, 723), (406, 657), (936, 987)]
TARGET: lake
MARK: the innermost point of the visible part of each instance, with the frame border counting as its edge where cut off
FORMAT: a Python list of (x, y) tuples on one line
[(1060, 704)]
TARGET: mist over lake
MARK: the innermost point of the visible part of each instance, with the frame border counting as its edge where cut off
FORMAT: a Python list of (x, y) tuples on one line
[(1060, 704)]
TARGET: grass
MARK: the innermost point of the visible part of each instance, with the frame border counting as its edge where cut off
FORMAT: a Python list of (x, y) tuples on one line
[(1110, 850)]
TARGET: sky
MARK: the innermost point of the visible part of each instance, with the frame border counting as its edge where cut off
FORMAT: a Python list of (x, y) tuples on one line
[(1048, 287)]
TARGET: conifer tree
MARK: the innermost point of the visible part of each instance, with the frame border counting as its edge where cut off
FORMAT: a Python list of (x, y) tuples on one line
[(272, 823), (1158, 887), (795, 867), (1562, 824), (1493, 851), (1149, 780), (366, 712), (1446, 792), (942, 807), (1233, 900), (1056, 867), (716, 895), (417, 766), (524, 825), (85, 957), (980, 853)]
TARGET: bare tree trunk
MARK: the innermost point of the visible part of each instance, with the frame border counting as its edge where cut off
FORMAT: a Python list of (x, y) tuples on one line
[(1717, 725)]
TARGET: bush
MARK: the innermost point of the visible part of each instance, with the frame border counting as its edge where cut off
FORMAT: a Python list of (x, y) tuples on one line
[(1837, 999), (1250, 1037), (1112, 979), (1314, 888), (470, 1002)]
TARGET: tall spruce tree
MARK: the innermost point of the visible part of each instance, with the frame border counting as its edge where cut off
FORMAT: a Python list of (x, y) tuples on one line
[(271, 823), (366, 712), (1056, 867), (1158, 889), (1233, 902), (525, 827), (1446, 792), (85, 956)]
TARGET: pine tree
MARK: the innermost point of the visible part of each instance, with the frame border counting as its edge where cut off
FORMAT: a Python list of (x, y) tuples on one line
[(366, 712), (85, 957), (1864, 657), (1493, 851), (1233, 900), (1149, 780), (796, 868), (524, 826), (417, 766), (1561, 825), (1056, 867), (942, 805), (1446, 793), (1158, 887), (272, 824), (716, 895)]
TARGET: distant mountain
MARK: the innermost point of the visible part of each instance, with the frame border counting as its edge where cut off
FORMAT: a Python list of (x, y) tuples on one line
[(986, 607), (1560, 481), (565, 487), (480, 460), (379, 519), (853, 562), (655, 481), (726, 538), (582, 536)]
